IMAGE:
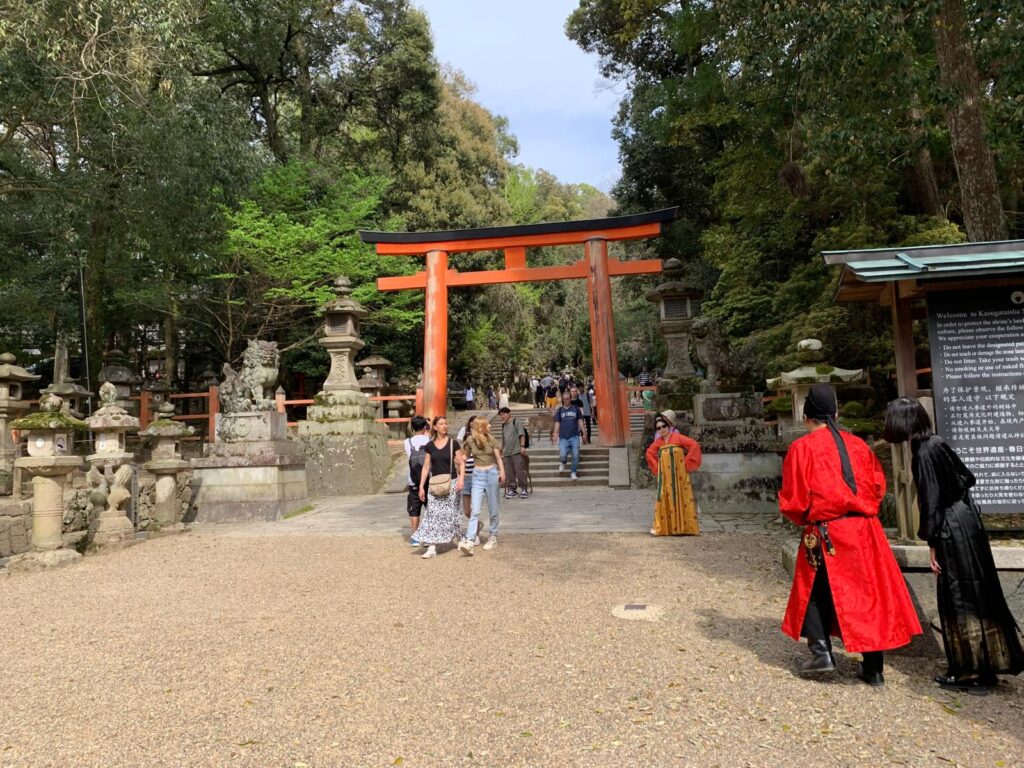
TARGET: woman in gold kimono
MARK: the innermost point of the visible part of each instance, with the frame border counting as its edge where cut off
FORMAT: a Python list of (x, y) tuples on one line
[(672, 457)]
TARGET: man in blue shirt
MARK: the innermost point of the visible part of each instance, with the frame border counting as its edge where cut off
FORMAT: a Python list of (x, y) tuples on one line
[(568, 418)]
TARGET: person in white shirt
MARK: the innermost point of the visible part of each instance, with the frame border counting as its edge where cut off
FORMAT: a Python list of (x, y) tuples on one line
[(470, 397), (420, 437)]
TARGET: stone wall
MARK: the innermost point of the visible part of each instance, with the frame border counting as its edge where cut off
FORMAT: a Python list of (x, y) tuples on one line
[(15, 526)]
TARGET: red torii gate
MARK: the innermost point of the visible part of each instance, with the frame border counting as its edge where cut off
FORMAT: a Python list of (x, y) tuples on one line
[(597, 268)]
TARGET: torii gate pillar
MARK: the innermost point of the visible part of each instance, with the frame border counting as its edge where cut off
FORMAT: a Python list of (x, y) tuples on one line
[(602, 344), (435, 336)]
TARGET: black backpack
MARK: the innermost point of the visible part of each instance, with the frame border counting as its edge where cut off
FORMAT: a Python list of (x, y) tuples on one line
[(416, 461), (526, 434)]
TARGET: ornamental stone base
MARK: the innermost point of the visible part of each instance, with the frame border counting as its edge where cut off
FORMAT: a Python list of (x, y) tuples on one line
[(346, 450), (253, 473)]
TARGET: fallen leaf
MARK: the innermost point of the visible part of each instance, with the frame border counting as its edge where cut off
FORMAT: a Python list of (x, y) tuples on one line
[(398, 761), (526, 734), (248, 743)]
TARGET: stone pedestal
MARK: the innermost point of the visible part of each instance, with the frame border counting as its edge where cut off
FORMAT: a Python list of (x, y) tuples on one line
[(346, 450), (48, 476), (252, 473), (166, 463)]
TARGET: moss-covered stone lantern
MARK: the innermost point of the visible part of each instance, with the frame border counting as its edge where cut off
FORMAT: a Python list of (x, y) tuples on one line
[(341, 337), (12, 406), (166, 463), (110, 471), (676, 302), (49, 434)]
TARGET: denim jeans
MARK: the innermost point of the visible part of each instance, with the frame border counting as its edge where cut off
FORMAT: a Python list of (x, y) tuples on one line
[(565, 444), (485, 481)]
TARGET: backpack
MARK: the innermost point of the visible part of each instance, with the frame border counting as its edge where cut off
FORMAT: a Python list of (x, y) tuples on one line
[(526, 434), (416, 461)]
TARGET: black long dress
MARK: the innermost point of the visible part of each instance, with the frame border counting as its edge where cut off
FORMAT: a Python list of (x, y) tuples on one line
[(981, 637)]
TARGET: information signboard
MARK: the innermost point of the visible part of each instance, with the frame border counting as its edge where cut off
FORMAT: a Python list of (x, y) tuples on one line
[(977, 350)]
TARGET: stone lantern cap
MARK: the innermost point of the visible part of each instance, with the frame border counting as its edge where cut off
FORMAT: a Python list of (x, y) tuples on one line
[(111, 417), (374, 361), (165, 426), (52, 416), (115, 369), (674, 286), (11, 371), (343, 303), (817, 373)]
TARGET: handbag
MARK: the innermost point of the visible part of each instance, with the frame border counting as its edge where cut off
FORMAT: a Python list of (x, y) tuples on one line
[(441, 485)]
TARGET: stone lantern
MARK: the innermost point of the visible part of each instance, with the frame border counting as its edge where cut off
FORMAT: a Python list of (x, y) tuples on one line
[(377, 365), (110, 473), (49, 434), (166, 463), (676, 304), (798, 382), (74, 397), (117, 373), (345, 447), (12, 405), (341, 337)]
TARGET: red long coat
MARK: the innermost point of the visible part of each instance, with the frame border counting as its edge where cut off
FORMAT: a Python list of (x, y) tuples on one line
[(873, 608)]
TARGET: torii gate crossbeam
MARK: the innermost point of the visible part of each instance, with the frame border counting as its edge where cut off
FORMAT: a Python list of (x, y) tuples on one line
[(597, 268)]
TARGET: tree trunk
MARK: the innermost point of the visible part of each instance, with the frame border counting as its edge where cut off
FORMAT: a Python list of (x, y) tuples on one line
[(268, 111), (923, 186), (975, 168), (305, 86), (170, 347)]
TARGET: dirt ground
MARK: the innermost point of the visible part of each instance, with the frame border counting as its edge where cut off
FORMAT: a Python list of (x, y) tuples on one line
[(345, 650)]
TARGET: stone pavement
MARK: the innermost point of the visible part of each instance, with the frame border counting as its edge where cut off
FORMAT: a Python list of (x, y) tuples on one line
[(569, 510)]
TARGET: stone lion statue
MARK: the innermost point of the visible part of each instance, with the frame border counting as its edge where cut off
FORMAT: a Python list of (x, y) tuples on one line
[(251, 388), (712, 348)]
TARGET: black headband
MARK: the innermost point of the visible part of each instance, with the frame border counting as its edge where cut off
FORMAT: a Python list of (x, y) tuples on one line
[(820, 405)]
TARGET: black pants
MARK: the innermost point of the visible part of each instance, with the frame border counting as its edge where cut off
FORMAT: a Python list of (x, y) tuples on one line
[(821, 617), (586, 420)]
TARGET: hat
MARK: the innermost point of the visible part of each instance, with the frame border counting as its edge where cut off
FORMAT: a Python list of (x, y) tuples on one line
[(670, 417)]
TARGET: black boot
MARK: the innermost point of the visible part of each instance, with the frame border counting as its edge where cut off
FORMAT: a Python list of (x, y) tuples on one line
[(821, 660), (871, 669)]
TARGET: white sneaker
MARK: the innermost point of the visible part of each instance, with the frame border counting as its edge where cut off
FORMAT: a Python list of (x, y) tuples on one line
[(431, 552), (573, 476), (561, 468), (466, 547), (476, 542), (491, 543)]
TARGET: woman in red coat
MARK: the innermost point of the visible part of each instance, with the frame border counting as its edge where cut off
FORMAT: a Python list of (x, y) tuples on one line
[(846, 582)]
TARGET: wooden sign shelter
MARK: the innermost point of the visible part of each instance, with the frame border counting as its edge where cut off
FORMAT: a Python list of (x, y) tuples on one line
[(597, 268), (900, 277)]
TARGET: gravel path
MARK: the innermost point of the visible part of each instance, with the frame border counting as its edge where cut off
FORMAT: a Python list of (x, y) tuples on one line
[(329, 651)]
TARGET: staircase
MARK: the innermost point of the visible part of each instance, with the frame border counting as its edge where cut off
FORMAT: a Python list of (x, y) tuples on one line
[(544, 474)]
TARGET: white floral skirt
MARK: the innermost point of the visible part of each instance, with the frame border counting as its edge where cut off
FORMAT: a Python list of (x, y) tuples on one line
[(442, 520)]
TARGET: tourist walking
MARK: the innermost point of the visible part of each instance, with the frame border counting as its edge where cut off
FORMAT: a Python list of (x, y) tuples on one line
[(582, 401), (551, 399), (488, 476), (502, 397), (568, 419), (513, 451), (979, 633), (672, 457), (440, 487), (536, 393), (846, 582), (470, 397), (413, 444), (492, 401), (468, 465)]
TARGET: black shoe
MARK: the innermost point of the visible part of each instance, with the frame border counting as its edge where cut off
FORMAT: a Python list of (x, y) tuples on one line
[(821, 661), (874, 679), (971, 685)]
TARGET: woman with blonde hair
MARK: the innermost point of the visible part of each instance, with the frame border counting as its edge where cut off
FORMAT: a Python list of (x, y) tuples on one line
[(440, 488), (488, 476), (671, 458)]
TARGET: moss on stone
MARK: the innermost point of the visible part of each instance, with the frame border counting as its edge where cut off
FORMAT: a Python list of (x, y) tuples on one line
[(824, 369), (48, 420), (782, 404)]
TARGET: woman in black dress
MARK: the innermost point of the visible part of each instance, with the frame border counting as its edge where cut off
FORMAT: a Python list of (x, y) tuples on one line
[(979, 632)]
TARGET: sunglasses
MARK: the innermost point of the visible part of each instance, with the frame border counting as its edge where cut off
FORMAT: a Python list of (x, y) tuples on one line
[(661, 425)]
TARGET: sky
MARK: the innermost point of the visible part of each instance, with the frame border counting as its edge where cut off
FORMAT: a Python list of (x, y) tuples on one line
[(558, 105)]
